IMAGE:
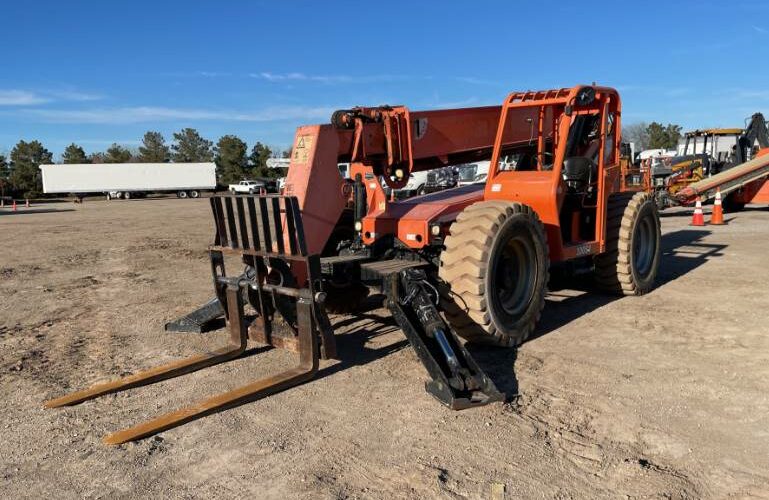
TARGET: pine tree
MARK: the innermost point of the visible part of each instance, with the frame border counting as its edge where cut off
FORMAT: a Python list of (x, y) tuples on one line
[(117, 154), (74, 154), (154, 149), (258, 160), (4, 168), (231, 161), (26, 158), (189, 146), (663, 137)]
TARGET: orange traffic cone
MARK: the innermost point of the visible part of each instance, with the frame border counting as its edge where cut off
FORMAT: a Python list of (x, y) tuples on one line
[(698, 219), (14, 206), (717, 218)]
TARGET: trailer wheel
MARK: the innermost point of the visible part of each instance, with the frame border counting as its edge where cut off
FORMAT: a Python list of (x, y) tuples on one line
[(194, 194), (127, 195), (495, 273), (181, 194), (630, 263)]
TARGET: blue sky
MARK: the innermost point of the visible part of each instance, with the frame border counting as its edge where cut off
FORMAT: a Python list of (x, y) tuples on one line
[(97, 72)]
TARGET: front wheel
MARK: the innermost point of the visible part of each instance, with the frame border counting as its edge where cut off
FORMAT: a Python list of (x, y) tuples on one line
[(630, 263), (495, 270)]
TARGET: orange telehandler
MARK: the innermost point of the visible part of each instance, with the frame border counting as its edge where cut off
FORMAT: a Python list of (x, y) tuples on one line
[(470, 262)]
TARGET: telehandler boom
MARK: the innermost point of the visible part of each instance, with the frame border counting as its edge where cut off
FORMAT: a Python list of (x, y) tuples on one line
[(470, 262)]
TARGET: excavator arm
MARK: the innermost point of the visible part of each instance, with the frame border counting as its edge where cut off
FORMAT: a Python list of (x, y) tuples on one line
[(755, 131)]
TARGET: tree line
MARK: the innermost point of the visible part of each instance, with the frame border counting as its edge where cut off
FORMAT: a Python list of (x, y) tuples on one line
[(652, 135), (20, 174)]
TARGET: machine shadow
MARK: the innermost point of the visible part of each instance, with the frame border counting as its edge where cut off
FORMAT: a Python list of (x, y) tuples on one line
[(353, 348), (570, 298), (682, 252), (23, 211)]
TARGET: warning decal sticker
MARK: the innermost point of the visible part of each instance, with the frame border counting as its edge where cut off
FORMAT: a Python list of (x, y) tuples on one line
[(302, 149)]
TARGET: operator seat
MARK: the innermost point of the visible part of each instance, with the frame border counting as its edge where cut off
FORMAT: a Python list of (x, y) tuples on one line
[(578, 173)]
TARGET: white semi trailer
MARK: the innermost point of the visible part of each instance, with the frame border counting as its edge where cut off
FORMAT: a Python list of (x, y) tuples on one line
[(129, 180)]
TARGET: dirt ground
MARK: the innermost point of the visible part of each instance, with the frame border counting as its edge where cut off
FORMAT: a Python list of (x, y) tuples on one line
[(660, 396)]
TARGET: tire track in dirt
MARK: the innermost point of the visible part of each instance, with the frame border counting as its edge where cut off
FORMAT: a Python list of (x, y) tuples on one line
[(568, 425), (94, 352)]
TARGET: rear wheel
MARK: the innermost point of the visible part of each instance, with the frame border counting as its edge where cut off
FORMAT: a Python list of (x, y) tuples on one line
[(495, 270), (194, 194), (181, 194), (127, 195), (631, 261)]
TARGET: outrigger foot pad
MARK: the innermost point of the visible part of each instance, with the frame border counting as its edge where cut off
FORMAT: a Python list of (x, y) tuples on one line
[(457, 380), (198, 320)]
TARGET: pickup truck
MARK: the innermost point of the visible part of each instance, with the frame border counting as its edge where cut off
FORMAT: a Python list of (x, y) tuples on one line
[(250, 187)]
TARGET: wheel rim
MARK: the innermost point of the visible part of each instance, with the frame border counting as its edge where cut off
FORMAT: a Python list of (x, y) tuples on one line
[(644, 246), (514, 272)]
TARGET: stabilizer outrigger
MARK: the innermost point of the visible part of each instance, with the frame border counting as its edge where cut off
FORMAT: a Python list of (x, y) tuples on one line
[(266, 232)]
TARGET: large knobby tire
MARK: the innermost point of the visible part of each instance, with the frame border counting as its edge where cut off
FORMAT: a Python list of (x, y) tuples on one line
[(631, 261), (495, 271)]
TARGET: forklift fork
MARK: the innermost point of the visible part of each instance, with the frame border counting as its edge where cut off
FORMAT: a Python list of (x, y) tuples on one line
[(263, 230)]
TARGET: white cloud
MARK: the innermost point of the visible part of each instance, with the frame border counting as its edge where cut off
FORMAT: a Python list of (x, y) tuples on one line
[(475, 81), (30, 98), (760, 29), (148, 114), (20, 98), (295, 76), (74, 95)]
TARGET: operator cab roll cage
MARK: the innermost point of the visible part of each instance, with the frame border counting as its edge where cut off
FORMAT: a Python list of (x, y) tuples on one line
[(575, 143)]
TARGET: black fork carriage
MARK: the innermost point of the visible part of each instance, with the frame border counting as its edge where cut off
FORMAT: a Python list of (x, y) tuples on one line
[(266, 232)]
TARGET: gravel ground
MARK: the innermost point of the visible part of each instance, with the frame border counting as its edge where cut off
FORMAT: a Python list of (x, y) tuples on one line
[(660, 396)]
